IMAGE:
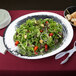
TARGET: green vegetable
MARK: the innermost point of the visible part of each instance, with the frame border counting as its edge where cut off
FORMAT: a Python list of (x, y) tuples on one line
[(29, 36)]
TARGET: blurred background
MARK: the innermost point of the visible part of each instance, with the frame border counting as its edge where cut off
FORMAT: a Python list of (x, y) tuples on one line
[(36, 4)]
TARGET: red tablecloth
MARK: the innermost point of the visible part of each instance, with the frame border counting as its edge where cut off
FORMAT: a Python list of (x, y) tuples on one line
[(10, 63)]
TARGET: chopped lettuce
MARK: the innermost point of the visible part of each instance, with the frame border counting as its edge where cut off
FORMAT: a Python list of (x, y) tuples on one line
[(34, 33)]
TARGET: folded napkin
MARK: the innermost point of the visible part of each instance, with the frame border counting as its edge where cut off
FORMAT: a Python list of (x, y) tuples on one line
[(2, 47)]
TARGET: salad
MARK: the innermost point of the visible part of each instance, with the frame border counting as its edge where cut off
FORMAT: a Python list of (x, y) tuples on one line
[(37, 37)]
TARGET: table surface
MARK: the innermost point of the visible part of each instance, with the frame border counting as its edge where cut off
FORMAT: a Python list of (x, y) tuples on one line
[(10, 62)]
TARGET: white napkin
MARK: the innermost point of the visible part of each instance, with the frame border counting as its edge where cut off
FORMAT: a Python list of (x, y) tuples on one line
[(5, 19), (2, 47)]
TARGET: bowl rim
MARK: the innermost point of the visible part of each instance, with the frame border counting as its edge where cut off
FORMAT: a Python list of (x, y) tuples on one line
[(35, 57)]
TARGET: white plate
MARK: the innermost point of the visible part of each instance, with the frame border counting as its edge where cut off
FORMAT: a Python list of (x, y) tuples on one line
[(10, 31), (5, 18)]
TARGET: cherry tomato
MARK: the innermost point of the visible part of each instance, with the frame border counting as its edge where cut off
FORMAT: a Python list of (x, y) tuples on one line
[(16, 43), (50, 34), (46, 49), (41, 31), (35, 48), (46, 22), (46, 46), (35, 53)]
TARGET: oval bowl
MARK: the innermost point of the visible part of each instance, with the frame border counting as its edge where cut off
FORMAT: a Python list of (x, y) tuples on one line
[(11, 29)]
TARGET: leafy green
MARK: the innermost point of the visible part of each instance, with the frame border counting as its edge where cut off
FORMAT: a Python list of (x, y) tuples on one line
[(31, 28)]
